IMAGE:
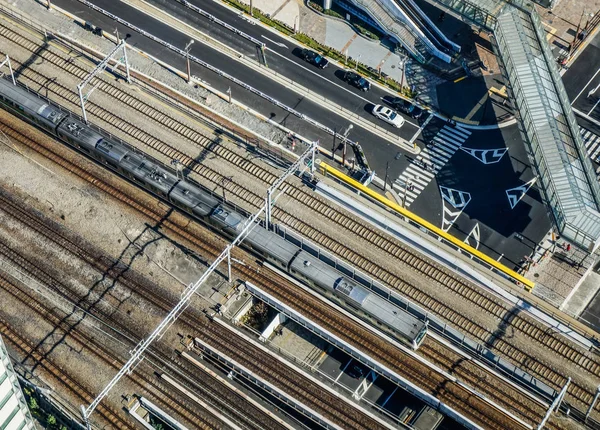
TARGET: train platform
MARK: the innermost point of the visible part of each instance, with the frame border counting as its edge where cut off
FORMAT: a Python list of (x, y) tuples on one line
[(349, 371), (384, 212), (564, 274)]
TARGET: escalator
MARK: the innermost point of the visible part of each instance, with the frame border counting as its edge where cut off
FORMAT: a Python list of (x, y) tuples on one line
[(426, 25)]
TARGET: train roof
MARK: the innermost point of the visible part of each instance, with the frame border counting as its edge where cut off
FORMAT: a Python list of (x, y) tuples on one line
[(80, 132), (351, 290), (51, 113), (152, 173), (191, 196), (393, 316), (311, 267), (112, 150), (378, 307), (272, 243), (31, 101)]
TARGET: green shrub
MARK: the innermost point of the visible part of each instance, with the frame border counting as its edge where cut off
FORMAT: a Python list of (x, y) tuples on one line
[(316, 6), (332, 12)]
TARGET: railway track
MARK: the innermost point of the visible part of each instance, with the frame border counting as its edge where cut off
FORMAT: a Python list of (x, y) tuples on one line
[(483, 334), (64, 328), (551, 342), (26, 348), (251, 274), (201, 324), (232, 403)]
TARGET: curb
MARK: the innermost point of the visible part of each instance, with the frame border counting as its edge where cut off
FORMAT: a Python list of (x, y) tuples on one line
[(288, 83)]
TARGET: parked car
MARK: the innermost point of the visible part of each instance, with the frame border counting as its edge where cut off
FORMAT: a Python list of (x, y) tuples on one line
[(407, 107), (388, 115), (314, 58), (356, 80)]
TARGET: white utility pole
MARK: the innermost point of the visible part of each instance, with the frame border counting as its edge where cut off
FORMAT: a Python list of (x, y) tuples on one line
[(187, 57)]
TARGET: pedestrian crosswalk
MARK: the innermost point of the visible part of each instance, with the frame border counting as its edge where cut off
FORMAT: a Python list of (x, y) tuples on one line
[(592, 143), (431, 160)]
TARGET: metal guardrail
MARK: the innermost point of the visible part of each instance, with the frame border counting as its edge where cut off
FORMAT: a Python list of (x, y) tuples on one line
[(443, 329), (227, 76), (221, 23)]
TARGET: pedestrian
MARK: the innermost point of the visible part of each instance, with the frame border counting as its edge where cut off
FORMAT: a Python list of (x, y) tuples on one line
[(568, 247)]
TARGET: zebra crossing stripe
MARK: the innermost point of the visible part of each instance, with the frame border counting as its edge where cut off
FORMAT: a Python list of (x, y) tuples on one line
[(445, 144), (592, 143)]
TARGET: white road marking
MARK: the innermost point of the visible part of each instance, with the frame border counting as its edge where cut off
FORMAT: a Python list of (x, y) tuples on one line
[(486, 156), (458, 200), (446, 143), (516, 194), (476, 236), (586, 85), (329, 80), (276, 43), (592, 143)]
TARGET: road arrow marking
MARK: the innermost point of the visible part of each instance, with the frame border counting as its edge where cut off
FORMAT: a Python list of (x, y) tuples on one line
[(475, 234), (516, 194), (458, 200), (276, 43), (486, 156)]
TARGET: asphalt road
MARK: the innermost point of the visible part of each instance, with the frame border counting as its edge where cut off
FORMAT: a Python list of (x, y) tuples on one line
[(582, 78), (371, 143), (503, 231)]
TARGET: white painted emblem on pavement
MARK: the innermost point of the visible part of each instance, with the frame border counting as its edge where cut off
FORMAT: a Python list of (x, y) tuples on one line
[(516, 194), (276, 43), (486, 156), (473, 236), (458, 200)]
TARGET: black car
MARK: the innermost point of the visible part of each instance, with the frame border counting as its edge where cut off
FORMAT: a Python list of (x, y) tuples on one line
[(357, 80), (314, 58), (405, 106)]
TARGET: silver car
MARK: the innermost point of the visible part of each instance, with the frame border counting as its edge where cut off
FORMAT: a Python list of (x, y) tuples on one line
[(388, 115)]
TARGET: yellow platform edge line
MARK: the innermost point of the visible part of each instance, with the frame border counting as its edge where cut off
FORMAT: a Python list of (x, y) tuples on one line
[(327, 169)]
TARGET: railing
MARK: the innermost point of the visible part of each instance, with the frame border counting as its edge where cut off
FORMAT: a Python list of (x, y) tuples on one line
[(365, 4), (428, 20), (227, 76), (445, 330), (406, 23)]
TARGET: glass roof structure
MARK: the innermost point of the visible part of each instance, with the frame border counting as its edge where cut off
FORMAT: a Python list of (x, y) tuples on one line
[(566, 176), (547, 123)]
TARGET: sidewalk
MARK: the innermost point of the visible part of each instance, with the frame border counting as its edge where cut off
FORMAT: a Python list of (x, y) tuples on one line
[(433, 90), (339, 35), (561, 276)]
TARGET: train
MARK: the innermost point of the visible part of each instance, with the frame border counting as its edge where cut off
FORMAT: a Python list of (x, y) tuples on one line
[(191, 198)]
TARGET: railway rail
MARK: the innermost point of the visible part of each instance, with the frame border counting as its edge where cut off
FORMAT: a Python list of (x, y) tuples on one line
[(60, 321), (251, 274), (551, 342), (232, 403), (342, 415)]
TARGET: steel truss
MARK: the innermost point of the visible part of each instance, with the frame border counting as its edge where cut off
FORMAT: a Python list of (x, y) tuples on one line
[(137, 354), (99, 68)]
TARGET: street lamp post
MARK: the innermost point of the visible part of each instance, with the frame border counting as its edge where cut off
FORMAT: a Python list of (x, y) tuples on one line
[(346, 133), (387, 166), (357, 58), (407, 185), (188, 47)]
